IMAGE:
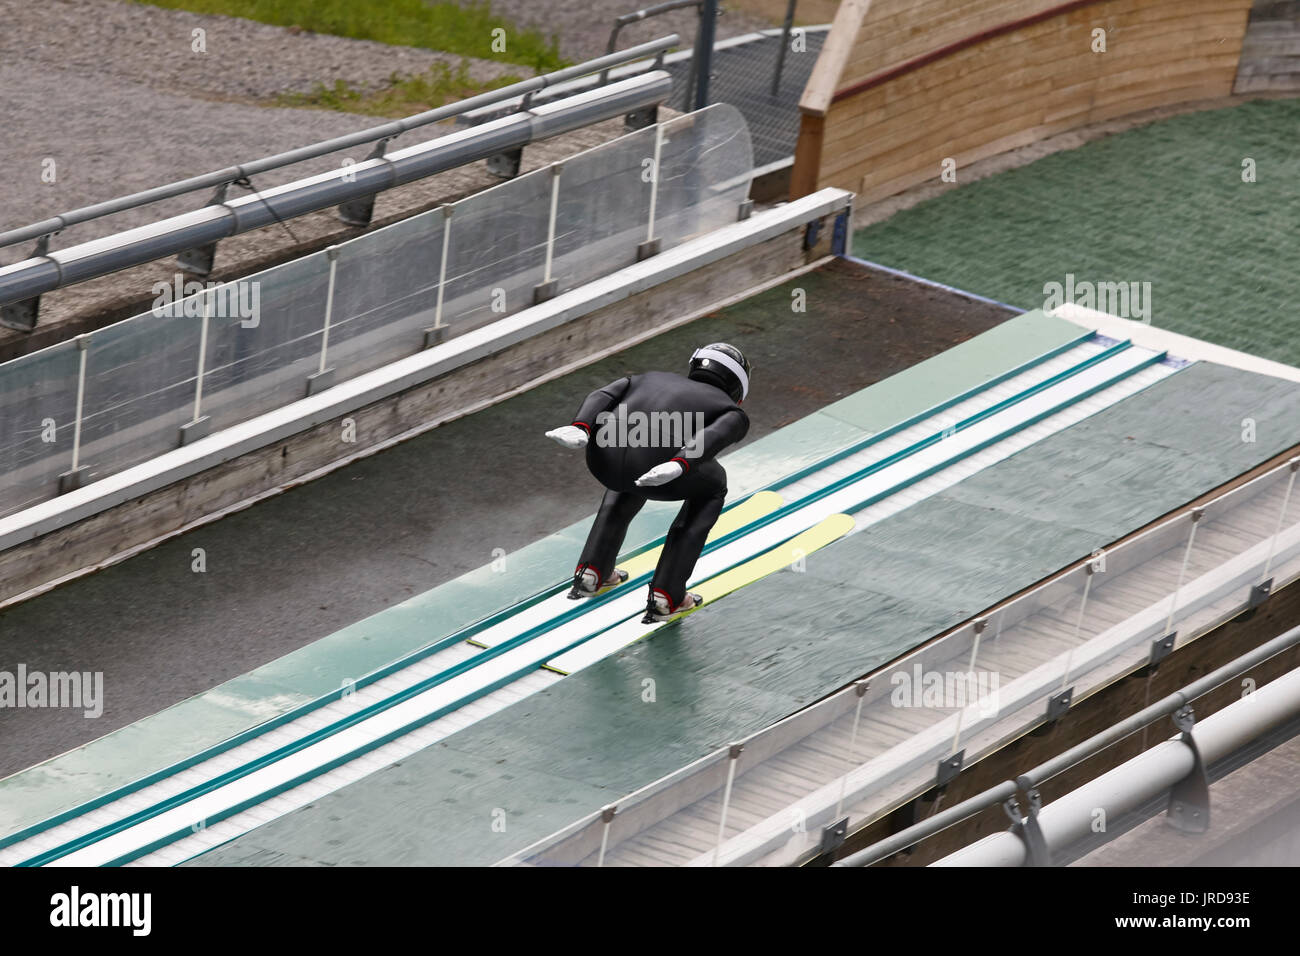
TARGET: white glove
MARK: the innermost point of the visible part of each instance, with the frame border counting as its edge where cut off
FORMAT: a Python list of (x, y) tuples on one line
[(570, 436), (660, 474)]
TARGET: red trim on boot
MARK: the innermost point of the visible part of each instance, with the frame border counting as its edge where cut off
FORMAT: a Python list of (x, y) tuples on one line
[(672, 606)]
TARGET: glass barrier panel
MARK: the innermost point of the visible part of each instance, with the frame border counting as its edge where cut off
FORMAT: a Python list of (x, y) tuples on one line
[(705, 165), (604, 209), (264, 339), (385, 292), (38, 406), (140, 377), (497, 252)]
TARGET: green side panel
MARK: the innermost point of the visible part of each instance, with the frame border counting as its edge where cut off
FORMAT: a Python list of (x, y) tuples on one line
[(965, 366), (790, 639)]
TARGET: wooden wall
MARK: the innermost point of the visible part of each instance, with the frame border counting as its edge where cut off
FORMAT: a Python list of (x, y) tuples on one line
[(907, 84)]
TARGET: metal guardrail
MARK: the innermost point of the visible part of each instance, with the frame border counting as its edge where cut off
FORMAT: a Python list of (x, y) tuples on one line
[(1177, 705), (208, 358), (194, 235), (385, 132)]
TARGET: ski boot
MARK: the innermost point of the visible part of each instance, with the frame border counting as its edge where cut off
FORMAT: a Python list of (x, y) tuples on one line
[(659, 607), (585, 586)]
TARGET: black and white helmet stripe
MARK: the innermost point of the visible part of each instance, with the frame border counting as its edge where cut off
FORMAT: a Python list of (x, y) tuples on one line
[(727, 362)]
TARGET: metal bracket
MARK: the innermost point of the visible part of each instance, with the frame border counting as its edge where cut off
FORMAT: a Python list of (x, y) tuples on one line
[(745, 211), (833, 835), (22, 316), (360, 212), (812, 232), (1189, 798), (545, 290), (506, 165), (1259, 594), (840, 234), (949, 768), (74, 479), (643, 118), (434, 336), (319, 381), (1032, 834), (1059, 704), (1161, 648), (645, 250), (193, 431), (201, 259)]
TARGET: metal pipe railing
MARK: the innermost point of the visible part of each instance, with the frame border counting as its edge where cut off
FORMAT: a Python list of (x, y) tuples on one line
[(1031, 779), (52, 270), (386, 131), (637, 16)]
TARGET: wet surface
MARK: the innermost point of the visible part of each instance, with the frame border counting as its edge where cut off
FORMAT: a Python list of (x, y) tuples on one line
[(306, 563), (790, 639)]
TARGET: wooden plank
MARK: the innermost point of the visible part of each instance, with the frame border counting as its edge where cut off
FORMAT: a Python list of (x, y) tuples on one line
[(894, 136)]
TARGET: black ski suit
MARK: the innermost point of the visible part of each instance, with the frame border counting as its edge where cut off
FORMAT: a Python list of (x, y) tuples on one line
[(642, 421)]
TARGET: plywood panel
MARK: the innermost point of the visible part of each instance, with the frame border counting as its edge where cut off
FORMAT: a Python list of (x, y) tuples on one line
[(1006, 89)]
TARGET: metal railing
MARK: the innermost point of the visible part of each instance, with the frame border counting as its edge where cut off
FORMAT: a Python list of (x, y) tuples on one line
[(385, 132), (208, 357), (352, 188), (1036, 849)]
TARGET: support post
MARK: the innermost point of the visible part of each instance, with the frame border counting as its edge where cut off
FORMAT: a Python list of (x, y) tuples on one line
[(547, 288), (23, 314), (704, 51), (650, 247), (1189, 798), (361, 211), (323, 377), (199, 425), (201, 259), (733, 754), (606, 818), (434, 334), (76, 476)]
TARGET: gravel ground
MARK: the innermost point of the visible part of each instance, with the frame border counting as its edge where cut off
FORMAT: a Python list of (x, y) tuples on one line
[(153, 111), (112, 92), (582, 26)]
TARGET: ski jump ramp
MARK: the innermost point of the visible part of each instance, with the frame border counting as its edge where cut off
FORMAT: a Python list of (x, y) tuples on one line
[(492, 720)]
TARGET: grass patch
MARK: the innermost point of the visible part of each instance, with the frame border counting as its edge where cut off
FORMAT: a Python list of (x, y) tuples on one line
[(402, 96), (1163, 203), (448, 27)]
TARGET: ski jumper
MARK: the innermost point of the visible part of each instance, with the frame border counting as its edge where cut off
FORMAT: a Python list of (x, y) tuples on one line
[(619, 452)]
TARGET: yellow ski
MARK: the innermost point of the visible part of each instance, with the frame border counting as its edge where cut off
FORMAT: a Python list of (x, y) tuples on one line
[(751, 509), (711, 589)]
